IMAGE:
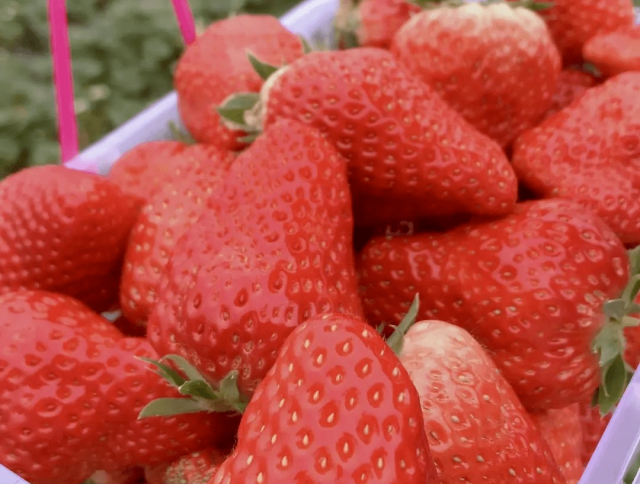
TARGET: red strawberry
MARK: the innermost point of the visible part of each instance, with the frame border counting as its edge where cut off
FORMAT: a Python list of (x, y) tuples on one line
[(65, 231), (405, 146), (477, 427), (273, 248), (196, 468), (615, 52), (163, 220), (374, 22), (589, 152), (71, 391), (529, 287), (496, 65), (562, 430), (147, 167), (216, 66), (572, 84), (593, 427), (573, 22), (337, 406)]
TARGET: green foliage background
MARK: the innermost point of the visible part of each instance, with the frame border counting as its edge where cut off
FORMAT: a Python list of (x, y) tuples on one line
[(123, 56)]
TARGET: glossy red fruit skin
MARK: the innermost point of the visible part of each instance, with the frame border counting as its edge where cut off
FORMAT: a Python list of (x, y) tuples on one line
[(377, 21), (337, 406), (216, 66), (71, 391), (495, 65), (589, 152), (196, 468), (273, 249), (562, 430), (65, 231), (144, 169), (529, 287), (573, 22), (615, 52), (593, 427), (474, 421), (572, 84), (404, 145), (163, 220)]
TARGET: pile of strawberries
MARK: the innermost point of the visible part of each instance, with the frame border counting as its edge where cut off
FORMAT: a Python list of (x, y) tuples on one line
[(242, 308)]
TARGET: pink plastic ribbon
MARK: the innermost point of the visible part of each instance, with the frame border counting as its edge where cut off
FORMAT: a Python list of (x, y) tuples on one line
[(185, 20), (63, 79)]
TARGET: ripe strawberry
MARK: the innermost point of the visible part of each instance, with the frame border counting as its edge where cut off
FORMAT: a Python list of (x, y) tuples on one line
[(216, 66), (497, 66), (529, 287), (589, 152), (337, 406), (196, 468), (477, 427), (65, 231), (404, 145), (615, 52), (273, 249), (572, 84), (593, 427), (71, 391), (573, 22), (562, 430), (374, 22), (147, 167), (163, 220), (134, 475)]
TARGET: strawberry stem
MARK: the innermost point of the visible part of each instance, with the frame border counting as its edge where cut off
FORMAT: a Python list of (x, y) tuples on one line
[(396, 340)]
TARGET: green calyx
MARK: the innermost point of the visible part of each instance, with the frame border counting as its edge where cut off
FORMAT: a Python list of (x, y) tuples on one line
[(243, 111), (396, 340), (610, 343), (200, 395)]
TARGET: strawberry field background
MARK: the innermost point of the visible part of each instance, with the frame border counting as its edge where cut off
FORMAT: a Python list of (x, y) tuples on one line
[(123, 56)]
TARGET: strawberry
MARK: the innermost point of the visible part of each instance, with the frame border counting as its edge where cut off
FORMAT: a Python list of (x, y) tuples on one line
[(196, 468), (373, 22), (615, 52), (588, 152), (562, 430), (593, 427), (71, 390), (147, 167), (573, 22), (494, 64), (134, 475), (406, 149), (337, 406), (216, 66), (166, 216), (65, 231), (477, 427), (572, 84), (273, 248), (529, 287)]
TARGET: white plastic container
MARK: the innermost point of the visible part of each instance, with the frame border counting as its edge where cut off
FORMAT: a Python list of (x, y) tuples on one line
[(313, 19)]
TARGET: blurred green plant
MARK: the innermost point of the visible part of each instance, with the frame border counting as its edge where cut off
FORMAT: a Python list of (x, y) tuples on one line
[(123, 56)]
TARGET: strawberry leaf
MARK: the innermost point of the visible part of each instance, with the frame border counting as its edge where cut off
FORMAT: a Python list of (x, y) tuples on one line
[(165, 407), (396, 340), (166, 372), (610, 342), (179, 135), (234, 109), (264, 70), (197, 388), (187, 368)]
